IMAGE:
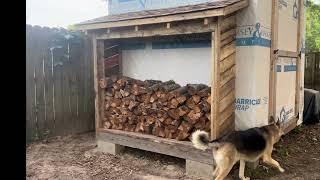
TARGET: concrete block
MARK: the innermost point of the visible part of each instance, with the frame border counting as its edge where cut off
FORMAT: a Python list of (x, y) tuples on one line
[(110, 148), (198, 169)]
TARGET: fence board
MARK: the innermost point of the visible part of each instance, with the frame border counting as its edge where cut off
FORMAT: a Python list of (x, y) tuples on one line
[(59, 96)]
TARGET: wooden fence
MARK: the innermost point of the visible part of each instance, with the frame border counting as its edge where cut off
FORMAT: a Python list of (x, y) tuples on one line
[(59, 83), (312, 71)]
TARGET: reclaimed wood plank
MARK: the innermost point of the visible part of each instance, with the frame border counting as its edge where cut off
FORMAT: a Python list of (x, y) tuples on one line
[(181, 149)]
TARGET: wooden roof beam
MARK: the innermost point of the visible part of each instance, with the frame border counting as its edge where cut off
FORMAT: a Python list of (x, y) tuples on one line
[(167, 18), (161, 30)]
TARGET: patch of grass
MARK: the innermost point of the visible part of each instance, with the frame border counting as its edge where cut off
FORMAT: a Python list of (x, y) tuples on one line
[(259, 173), (281, 152), (297, 130)]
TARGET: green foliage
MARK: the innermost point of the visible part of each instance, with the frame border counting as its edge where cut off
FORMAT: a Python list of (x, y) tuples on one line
[(71, 28), (312, 27)]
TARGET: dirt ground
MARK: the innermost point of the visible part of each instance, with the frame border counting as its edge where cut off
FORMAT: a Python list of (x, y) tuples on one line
[(76, 157)]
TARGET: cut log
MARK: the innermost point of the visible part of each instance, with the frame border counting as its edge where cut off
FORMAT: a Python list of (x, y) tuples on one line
[(169, 87), (178, 92), (194, 88), (115, 103), (201, 124), (149, 83), (132, 105), (173, 114), (163, 109), (105, 83), (109, 92), (205, 106), (138, 90), (124, 93), (153, 98), (194, 116), (181, 99), (196, 99), (190, 103), (107, 124), (182, 110), (173, 103), (204, 92), (118, 95)]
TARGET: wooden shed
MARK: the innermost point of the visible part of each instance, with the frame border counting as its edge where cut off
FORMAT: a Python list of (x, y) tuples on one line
[(215, 23)]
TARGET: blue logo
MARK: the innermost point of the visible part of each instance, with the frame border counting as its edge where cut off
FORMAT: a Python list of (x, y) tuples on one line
[(283, 3), (253, 35), (284, 115), (243, 104)]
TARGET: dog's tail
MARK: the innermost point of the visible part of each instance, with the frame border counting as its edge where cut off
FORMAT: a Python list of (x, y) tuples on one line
[(200, 140)]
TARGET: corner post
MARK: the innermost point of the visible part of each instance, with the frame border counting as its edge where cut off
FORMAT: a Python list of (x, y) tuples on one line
[(215, 79), (99, 72), (273, 60)]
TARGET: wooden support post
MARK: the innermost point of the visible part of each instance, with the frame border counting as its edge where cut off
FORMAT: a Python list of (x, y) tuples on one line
[(98, 56), (215, 79), (273, 60), (205, 21), (110, 148), (136, 28), (298, 61), (120, 60), (168, 25)]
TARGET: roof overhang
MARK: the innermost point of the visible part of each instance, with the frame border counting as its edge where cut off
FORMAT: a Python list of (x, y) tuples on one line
[(163, 18)]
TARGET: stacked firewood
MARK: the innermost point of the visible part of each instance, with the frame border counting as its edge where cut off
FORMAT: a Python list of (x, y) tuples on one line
[(164, 109)]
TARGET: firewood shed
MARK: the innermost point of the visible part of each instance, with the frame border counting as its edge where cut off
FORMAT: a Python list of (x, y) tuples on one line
[(138, 54)]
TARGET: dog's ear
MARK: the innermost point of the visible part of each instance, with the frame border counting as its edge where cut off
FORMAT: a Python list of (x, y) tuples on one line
[(271, 120), (278, 124)]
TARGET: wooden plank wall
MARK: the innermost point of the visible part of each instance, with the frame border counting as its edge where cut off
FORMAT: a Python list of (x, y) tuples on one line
[(59, 84), (226, 118)]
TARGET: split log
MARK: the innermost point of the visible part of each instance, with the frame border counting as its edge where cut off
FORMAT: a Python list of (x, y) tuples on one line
[(164, 109)]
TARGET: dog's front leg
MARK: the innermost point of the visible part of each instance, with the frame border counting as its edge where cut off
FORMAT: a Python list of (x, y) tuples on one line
[(269, 160), (241, 170)]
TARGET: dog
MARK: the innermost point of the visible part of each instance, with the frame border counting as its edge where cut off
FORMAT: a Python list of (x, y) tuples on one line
[(250, 145)]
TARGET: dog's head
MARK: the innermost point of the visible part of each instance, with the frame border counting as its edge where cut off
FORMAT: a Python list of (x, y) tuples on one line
[(276, 128)]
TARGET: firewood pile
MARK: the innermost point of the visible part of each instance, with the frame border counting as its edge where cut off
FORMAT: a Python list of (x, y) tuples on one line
[(164, 109)]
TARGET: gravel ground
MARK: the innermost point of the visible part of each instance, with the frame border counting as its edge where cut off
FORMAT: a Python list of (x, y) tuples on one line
[(76, 157)]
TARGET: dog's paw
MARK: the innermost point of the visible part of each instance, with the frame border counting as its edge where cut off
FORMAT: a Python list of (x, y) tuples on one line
[(281, 169)]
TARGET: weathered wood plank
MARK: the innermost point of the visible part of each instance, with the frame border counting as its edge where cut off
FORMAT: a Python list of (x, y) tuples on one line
[(59, 123), (225, 89), (228, 50), (30, 126), (228, 75), (48, 103), (226, 113), (298, 62), (228, 23), (230, 33), (99, 72), (227, 63), (226, 101), (215, 78), (228, 125), (188, 27), (181, 149)]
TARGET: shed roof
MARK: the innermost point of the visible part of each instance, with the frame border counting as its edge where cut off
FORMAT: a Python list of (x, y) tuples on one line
[(208, 9)]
